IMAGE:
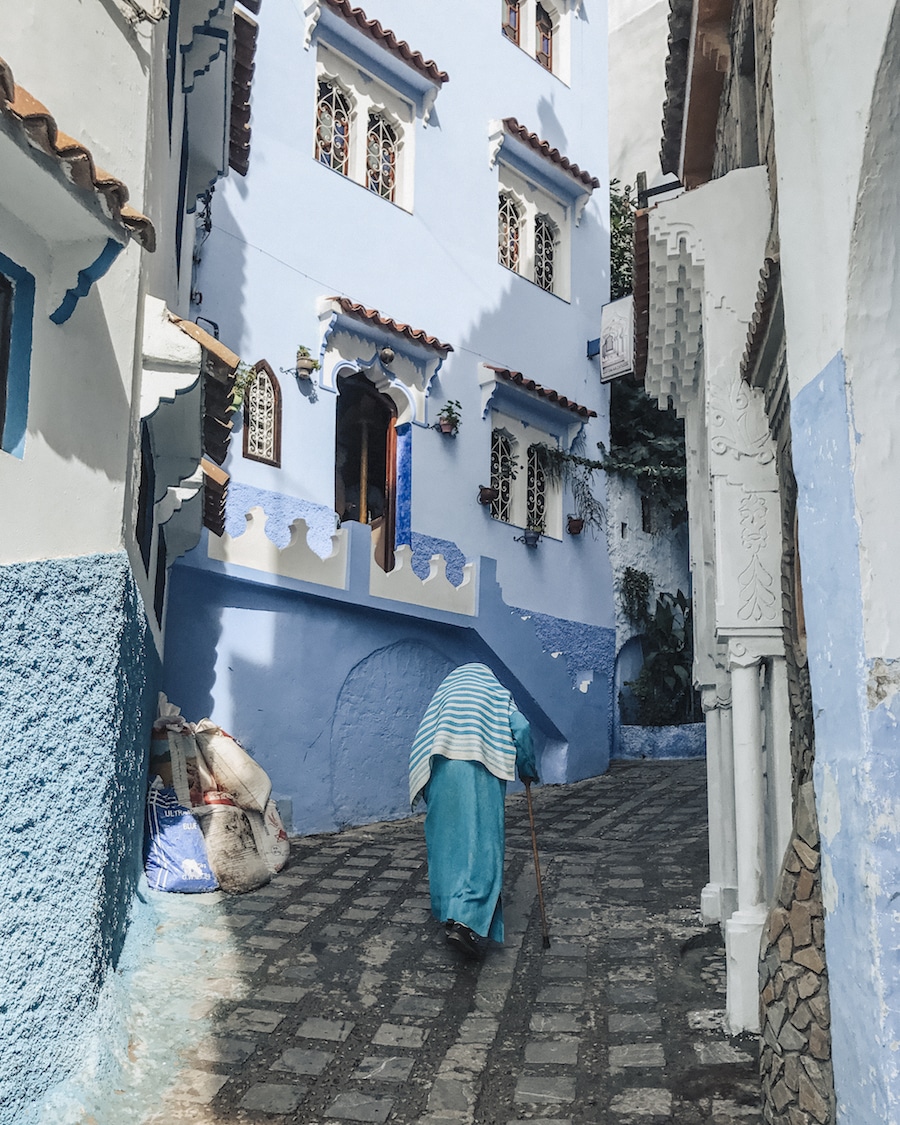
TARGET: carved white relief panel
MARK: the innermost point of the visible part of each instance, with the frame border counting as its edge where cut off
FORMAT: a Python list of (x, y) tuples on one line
[(748, 556)]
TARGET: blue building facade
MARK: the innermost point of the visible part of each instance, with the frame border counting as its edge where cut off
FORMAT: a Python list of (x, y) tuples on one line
[(417, 238)]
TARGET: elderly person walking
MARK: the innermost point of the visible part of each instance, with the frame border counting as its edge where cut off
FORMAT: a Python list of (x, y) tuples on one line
[(469, 744)]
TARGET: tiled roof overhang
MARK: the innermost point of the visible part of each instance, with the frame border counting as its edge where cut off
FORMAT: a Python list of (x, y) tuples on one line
[(74, 159), (641, 293), (695, 77), (512, 126), (416, 335), (388, 40), (554, 397), (768, 295), (246, 32)]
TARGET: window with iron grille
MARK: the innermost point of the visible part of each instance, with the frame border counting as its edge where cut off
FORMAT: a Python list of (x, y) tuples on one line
[(381, 156), (333, 128), (544, 244), (536, 494), (502, 473), (511, 16), (508, 232), (262, 417), (543, 37)]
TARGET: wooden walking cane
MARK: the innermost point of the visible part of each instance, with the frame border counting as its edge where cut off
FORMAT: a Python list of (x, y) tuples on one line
[(545, 933)]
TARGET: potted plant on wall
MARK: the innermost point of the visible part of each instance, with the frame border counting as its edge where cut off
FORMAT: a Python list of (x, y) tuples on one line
[(306, 363), (574, 524), (449, 418)]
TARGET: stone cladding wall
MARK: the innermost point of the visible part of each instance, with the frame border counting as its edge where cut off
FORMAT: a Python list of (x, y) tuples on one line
[(795, 1015)]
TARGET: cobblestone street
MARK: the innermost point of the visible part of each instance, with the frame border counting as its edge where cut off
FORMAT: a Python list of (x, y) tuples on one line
[(331, 996)]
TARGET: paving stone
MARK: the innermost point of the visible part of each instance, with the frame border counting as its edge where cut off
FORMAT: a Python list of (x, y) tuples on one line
[(223, 1050), (637, 1054), (334, 1030), (720, 1054), (708, 1019), (394, 1035), (556, 1021), (285, 925), (631, 1022), (544, 1091), (354, 1106), (643, 1102), (565, 969), (417, 1006), (562, 1050), (253, 1019), (199, 1086), (301, 1060), (380, 1068), (280, 993), (270, 1097), (261, 941), (625, 993)]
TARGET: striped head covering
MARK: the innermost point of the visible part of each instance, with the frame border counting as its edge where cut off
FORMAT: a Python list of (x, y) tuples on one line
[(468, 719)]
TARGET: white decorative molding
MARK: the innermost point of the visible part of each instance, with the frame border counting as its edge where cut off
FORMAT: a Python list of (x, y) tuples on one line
[(171, 359), (436, 591), (737, 422), (758, 597), (253, 549), (311, 15)]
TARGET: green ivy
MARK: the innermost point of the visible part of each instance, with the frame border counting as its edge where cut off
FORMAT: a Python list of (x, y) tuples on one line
[(663, 693)]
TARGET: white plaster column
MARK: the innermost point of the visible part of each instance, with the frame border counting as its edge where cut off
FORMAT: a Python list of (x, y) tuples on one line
[(718, 898), (779, 759), (743, 930)]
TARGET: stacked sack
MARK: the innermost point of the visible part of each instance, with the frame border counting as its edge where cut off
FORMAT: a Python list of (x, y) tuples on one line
[(211, 822)]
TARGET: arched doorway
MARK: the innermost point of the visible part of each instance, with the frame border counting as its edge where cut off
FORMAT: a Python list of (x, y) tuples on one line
[(365, 461)]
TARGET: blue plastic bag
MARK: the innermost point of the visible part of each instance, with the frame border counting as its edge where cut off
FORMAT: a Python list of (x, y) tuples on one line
[(174, 853)]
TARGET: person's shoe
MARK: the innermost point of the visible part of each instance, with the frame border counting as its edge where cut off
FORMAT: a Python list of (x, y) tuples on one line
[(465, 940)]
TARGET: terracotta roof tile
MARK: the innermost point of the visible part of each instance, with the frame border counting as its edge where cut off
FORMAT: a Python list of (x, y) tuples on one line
[(40, 128), (555, 397), (388, 40), (207, 341), (511, 125), (641, 293), (766, 294), (680, 12), (351, 308), (246, 32)]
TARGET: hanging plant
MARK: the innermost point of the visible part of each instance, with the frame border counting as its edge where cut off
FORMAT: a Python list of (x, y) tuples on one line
[(559, 465), (244, 376)]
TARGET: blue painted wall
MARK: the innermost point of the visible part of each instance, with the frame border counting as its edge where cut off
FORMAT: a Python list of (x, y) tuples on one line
[(78, 676), (326, 688), (857, 778)]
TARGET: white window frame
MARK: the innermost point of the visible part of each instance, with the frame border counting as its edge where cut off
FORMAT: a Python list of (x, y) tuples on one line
[(533, 201), (367, 95), (521, 435), (561, 15)]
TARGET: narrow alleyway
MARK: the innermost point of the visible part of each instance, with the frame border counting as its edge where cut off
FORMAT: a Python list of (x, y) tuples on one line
[(330, 995)]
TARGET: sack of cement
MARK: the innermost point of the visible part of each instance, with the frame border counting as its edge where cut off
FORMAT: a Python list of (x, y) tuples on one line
[(175, 857), (231, 846), (234, 770), (271, 838)]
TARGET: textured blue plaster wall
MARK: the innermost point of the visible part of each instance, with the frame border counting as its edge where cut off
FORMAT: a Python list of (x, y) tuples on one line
[(281, 511), (855, 769), (658, 743), (78, 675)]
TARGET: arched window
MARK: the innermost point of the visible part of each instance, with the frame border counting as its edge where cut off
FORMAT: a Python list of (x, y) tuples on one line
[(381, 156), (509, 221), (511, 20), (544, 245), (502, 475), (536, 495), (544, 37), (262, 417), (333, 127)]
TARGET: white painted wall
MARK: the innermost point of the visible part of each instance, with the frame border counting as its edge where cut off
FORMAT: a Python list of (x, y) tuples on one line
[(824, 60), (638, 30)]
